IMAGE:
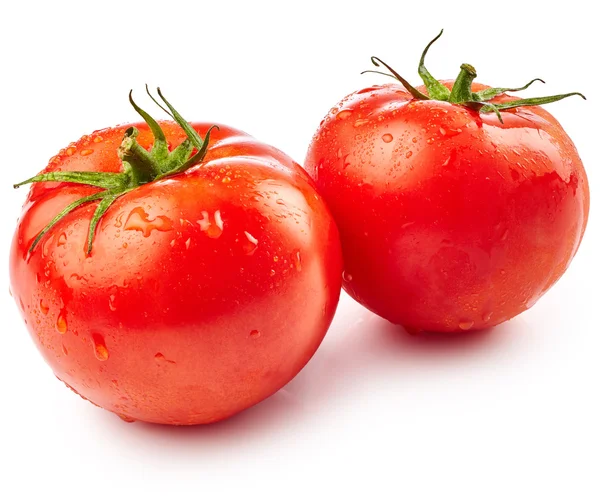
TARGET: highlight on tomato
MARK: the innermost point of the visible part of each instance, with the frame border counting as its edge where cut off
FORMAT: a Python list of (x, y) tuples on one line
[(175, 272), (458, 204)]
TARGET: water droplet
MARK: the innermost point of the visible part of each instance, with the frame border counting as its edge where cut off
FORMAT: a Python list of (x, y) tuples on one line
[(387, 138), (138, 221), (442, 131), (86, 152), (360, 123), (466, 325), (119, 220), (70, 151), (46, 246), (254, 334), (212, 229), (296, 259), (226, 180), (272, 272), (279, 201), (100, 349), (414, 139), (408, 154), (344, 114), (44, 307), (346, 276), (187, 243), (487, 316), (64, 350), (249, 246), (111, 303), (98, 138), (62, 240), (61, 322), (125, 418)]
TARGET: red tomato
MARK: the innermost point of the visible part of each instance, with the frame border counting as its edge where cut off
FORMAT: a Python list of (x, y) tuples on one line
[(204, 292), (450, 219)]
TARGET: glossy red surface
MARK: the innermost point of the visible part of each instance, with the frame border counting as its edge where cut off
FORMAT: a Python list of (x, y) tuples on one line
[(450, 220), (204, 293)]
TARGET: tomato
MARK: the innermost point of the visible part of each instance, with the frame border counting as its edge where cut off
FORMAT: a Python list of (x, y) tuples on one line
[(458, 207), (201, 292)]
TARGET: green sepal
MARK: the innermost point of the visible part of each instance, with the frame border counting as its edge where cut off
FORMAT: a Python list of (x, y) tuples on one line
[(67, 210), (417, 94), (140, 166), (435, 89), (461, 92), (487, 94)]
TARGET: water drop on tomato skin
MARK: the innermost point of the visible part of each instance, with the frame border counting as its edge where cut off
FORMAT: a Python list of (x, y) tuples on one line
[(466, 325), (111, 303), (254, 334), (297, 260), (62, 240), (342, 115), (487, 316), (212, 226), (346, 276), (125, 418), (61, 323), (44, 307), (138, 220), (249, 244), (387, 138), (86, 152), (100, 349)]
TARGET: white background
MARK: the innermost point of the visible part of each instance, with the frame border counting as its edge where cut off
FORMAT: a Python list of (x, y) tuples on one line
[(509, 414)]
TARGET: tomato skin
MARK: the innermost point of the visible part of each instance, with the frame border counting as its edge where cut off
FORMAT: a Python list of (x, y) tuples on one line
[(205, 292), (449, 219)]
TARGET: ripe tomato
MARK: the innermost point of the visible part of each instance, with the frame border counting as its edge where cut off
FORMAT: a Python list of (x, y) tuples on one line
[(206, 289), (455, 212)]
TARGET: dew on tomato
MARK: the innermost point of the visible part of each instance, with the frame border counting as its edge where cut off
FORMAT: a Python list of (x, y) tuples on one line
[(139, 220), (100, 349), (44, 307), (61, 322)]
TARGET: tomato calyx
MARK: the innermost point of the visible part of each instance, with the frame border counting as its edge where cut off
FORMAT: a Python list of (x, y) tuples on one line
[(461, 92), (140, 166)]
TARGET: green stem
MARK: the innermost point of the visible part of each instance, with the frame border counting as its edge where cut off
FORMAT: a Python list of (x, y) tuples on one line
[(461, 90), (142, 164)]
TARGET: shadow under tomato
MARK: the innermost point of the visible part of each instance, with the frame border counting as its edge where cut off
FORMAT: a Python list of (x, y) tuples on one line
[(360, 349)]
